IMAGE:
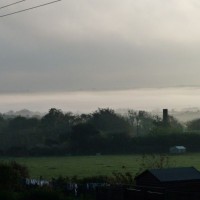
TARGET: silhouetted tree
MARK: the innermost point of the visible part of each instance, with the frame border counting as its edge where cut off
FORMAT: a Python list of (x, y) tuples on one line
[(84, 138), (108, 121), (12, 175), (53, 126), (193, 125), (174, 126), (141, 121)]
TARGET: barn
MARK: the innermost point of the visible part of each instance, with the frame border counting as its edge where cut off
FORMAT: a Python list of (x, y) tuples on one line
[(182, 183), (170, 183), (181, 177)]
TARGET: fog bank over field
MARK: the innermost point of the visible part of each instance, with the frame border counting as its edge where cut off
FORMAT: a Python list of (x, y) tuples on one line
[(148, 99)]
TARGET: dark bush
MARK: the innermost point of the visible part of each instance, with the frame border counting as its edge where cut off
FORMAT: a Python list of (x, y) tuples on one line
[(11, 175), (42, 194)]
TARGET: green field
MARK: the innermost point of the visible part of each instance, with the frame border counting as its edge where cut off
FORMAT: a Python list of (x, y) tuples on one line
[(84, 166)]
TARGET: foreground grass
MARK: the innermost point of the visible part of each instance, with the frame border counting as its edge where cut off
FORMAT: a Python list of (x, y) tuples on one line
[(84, 166)]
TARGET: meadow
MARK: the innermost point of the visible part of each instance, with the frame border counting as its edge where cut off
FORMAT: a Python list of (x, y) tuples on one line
[(86, 166)]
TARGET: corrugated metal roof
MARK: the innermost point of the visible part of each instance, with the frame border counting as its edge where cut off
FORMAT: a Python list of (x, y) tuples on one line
[(176, 174)]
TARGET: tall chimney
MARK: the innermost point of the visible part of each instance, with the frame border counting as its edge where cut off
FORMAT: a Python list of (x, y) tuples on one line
[(165, 117)]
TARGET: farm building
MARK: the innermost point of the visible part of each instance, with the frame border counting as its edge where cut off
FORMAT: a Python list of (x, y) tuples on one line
[(170, 183), (169, 177), (181, 183), (177, 149)]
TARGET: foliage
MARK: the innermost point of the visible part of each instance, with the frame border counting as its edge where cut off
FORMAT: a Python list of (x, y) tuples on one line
[(108, 121), (83, 136), (53, 126), (102, 132), (141, 121), (43, 194), (122, 178), (172, 127), (193, 125), (115, 178), (12, 174), (153, 161)]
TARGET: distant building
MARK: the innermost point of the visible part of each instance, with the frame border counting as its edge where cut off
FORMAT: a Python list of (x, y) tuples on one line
[(177, 149), (169, 177)]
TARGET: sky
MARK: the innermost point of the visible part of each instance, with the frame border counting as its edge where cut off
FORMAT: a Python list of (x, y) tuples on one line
[(99, 45), (148, 99)]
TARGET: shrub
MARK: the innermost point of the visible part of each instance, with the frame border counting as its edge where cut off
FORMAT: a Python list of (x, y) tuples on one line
[(11, 175), (155, 162)]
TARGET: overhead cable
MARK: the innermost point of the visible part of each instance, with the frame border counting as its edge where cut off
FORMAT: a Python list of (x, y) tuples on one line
[(8, 5), (31, 8)]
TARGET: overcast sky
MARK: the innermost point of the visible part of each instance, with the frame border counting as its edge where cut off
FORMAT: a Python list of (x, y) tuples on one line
[(99, 45)]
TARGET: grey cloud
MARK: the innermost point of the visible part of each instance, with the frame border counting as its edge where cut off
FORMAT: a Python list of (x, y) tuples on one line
[(101, 44)]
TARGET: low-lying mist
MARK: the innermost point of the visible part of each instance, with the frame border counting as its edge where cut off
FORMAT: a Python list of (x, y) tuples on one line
[(86, 101)]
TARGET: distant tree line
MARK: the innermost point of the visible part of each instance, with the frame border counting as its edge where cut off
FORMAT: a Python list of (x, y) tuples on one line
[(103, 131)]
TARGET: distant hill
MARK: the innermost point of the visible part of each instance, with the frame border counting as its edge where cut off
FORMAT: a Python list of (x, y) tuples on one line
[(23, 113)]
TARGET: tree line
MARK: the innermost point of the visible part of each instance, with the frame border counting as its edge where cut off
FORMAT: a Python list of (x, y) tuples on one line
[(101, 132)]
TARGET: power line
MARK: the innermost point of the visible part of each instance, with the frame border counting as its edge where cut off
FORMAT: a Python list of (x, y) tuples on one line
[(31, 8), (11, 4)]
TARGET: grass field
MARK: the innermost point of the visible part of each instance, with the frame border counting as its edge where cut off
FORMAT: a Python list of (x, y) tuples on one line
[(84, 166)]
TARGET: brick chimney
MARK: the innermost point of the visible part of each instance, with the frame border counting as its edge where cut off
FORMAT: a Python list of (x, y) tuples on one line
[(165, 117)]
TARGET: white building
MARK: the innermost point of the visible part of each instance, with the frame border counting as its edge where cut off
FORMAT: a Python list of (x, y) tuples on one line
[(177, 149)]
